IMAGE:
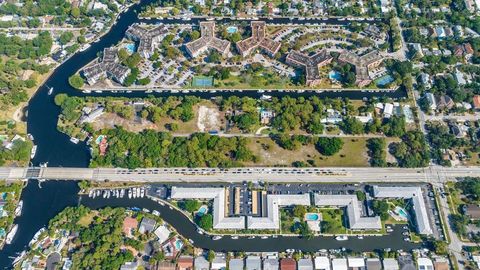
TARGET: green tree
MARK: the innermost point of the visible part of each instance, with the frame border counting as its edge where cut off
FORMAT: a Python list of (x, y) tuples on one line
[(76, 81), (329, 146)]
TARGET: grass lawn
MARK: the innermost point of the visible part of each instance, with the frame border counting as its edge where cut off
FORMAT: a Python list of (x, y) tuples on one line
[(86, 220), (332, 222), (353, 154)]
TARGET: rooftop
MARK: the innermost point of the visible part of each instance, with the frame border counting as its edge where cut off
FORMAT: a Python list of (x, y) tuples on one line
[(258, 39)]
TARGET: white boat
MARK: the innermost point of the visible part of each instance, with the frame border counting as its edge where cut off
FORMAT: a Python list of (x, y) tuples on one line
[(18, 209), (19, 258), (90, 193), (86, 46), (94, 194), (74, 140), (155, 213), (50, 91), (266, 97), (99, 193), (216, 237), (30, 137), (11, 234), (34, 151), (134, 193), (290, 250), (341, 238), (146, 210), (235, 237), (200, 231), (138, 192), (104, 194), (264, 237), (122, 193), (142, 193), (36, 236), (360, 237), (129, 193), (108, 194)]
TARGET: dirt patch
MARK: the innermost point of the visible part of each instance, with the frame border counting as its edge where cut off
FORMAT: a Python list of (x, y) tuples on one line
[(208, 119), (110, 120)]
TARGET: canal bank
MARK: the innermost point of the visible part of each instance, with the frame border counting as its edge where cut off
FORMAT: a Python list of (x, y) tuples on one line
[(55, 147)]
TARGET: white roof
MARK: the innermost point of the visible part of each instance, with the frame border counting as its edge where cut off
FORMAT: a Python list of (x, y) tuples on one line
[(356, 221), (163, 233), (253, 263), (412, 192), (322, 263), (235, 264), (390, 264), (272, 219), (270, 264), (305, 264), (219, 262), (424, 264), (356, 262), (339, 264), (220, 221), (388, 110)]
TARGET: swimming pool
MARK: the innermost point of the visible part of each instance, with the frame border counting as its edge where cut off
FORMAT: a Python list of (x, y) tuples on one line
[(202, 210), (401, 212), (335, 75), (384, 80), (232, 29), (312, 217), (178, 244), (130, 47)]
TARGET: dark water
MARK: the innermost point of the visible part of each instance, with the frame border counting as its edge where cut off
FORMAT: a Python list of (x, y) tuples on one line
[(186, 228), (39, 206)]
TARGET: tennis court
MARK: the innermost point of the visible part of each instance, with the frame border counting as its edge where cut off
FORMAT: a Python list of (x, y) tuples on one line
[(202, 81)]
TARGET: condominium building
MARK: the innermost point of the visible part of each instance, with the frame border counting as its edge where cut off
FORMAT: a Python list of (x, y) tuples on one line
[(311, 64), (363, 64), (147, 39), (207, 41), (109, 67), (258, 39)]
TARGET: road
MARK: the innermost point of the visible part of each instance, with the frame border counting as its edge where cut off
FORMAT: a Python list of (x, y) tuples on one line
[(269, 174)]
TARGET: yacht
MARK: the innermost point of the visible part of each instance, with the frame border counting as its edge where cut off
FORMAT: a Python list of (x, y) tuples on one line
[(30, 137), (36, 236), (266, 97), (155, 213), (138, 192), (18, 209), (98, 193), (34, 151), (142, 193), (341, 238), (216, 237), (104, 194), (74, 140), (134, 193), (290, 250), (90, 194), (235, 237), (264, 237), (50, 91), (360, 237), (19, 258), (122, 193), (11, 234), (129, 193)]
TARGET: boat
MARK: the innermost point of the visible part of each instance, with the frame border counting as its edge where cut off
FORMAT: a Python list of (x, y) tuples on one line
[(90, 193), (200, 231), (251, 237), (290, 250), (360, 237), (104, 194), (235, 237), (146, 210), (44, 164), (98, 193), (36, 236), (86, 46), (34, 151), (11, 234), (108, 194), (134, 193), (18, 209), (122, 193), (50, 91), (74, 140), (266, 97), (142, 193), (138, 192), (216, 237), (264, 237), (155, 213), (129, 193), (19, 258), (341, 238), (94, 194), (30, 137)]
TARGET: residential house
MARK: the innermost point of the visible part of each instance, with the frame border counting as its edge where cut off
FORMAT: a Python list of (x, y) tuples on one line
[(147, 225), (288, 264), (200, 263), (219, 262), (185, 263), (424, 264), (236, 264), (129, 225)]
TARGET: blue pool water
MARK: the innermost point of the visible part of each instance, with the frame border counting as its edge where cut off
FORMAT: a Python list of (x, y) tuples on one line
[(401, 212), (232, 29), (130, 47), (202, 210), (384, 80), (178, 244), (312, 217), (335, 75)]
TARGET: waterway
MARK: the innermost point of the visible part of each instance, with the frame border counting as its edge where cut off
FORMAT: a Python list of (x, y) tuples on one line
[(54, 147)]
